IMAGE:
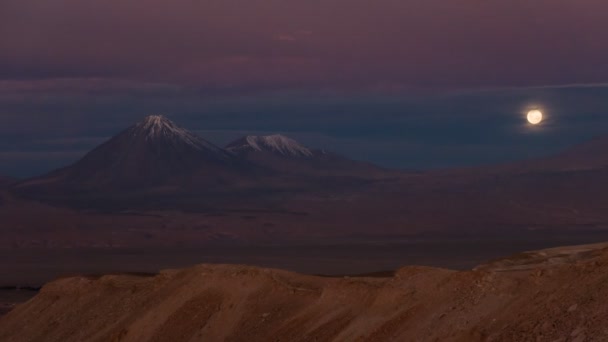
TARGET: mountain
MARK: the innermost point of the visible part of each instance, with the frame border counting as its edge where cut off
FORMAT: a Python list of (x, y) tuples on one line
[(152, 153), (275, 144), (5, 180), (586, 156), (288, 157), (541, 296)]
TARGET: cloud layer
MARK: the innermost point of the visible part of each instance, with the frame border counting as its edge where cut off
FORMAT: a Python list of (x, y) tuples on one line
[(257, 44)]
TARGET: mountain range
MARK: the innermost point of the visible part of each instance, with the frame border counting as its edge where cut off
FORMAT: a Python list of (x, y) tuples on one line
[(156, 178), (158, 154), (288, 157), (157, 188), (152, 153)]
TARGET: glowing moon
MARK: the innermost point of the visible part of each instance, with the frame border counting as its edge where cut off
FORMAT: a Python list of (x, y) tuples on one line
[(535, 116)]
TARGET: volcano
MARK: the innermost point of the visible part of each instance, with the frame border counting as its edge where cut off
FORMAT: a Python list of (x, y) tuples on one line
[(286, 156), (276, 144), (152, 153)]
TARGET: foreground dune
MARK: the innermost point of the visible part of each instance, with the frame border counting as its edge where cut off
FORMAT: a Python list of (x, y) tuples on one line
[(553, 295)]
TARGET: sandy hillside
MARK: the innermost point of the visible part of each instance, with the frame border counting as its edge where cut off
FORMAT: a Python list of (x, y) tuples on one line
[(552, 295)]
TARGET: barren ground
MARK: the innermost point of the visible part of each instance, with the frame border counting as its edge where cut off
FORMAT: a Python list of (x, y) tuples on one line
[(552, 295)]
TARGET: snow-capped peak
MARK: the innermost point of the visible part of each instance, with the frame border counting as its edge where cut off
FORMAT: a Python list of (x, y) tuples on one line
[(275, 143), (155, 127)]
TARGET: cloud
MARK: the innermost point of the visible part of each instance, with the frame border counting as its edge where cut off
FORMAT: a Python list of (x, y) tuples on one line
[(16, 156), (356, 43), (292, 37), (285, 37)]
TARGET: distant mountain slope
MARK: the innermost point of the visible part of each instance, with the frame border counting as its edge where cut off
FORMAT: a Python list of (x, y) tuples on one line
[(287, 156), (566, 191), (154, 152), (588, 156), (5, 180), (276, 144), (296, 196)]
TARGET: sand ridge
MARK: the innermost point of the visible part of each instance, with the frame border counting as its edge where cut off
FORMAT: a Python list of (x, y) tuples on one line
[(557, 301)]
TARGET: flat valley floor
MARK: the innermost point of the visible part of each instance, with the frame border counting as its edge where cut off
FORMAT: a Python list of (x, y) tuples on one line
[(35, 267)]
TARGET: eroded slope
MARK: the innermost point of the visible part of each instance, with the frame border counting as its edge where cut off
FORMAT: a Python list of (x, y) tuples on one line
[(564, 300)]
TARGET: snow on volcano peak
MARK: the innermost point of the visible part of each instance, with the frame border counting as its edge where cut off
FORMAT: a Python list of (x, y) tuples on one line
[(276, 143), (155, 127)]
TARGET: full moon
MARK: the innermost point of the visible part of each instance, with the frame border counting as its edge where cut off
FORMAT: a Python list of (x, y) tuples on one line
[(535, 116)]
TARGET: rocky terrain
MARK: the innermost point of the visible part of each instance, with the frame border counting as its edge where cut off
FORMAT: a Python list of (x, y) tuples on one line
[(551, 295)]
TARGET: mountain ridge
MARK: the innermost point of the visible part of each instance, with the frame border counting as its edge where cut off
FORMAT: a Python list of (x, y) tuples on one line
[(246, 303), (153, 152), (276, 143), (156, 153), (287, 156)]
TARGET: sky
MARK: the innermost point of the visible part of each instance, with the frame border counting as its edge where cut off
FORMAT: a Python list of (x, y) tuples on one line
[(413, 84)]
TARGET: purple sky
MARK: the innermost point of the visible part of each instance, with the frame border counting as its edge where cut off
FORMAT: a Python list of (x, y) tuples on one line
[(260, 44), (403, 83)]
